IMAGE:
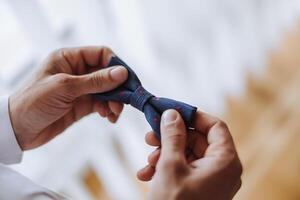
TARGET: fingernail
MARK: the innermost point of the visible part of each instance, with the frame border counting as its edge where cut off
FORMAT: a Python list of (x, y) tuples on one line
[(169, 116), (118, 73)]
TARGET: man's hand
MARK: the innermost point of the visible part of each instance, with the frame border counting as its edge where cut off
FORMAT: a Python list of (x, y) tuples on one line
[(59, 94), (193, 164)]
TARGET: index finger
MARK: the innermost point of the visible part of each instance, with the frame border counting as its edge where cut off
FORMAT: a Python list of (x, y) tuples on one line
[(215, 129), (95, 56), (84, 60)]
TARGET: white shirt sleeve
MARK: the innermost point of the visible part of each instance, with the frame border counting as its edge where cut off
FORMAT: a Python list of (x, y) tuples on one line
[(12, 184), (10, 151), (17, 187)]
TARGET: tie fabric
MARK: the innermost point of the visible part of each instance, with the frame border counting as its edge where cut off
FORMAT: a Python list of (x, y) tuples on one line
[(132, 92)]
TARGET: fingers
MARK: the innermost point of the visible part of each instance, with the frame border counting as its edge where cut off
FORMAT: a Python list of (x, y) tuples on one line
[(112, 118), (173, 137), (111, 110), (171, 157), (71, 67), (151, 139), (81, 59), (101, 107), (95, 56), (115, 111), (215, 129), (77, 61), (153, 157), (200, 145), (72, 77), (221, 147), (115, 107), (146, 173), (99, 81)]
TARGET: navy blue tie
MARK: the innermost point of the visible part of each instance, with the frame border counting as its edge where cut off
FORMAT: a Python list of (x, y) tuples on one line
[(132, 92)]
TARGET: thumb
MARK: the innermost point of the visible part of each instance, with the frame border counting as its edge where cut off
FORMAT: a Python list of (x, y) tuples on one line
[(102, 80), (173, 136)]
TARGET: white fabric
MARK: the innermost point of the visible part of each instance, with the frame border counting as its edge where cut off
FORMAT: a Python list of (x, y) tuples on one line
[(10, 151), (12, 184)]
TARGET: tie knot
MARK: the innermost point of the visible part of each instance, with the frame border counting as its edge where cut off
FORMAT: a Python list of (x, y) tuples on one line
[(139, 98)]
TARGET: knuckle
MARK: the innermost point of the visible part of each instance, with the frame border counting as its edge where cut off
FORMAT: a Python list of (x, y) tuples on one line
[(66, 82), (231, 163), (55, 56), (69, 55), (174, 136), (222, 125), (98, 79), (105, 49), (64, 79), (228, 154), (58, 52)]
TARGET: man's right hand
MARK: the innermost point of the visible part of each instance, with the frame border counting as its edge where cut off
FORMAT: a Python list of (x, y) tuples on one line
[(200, 164)]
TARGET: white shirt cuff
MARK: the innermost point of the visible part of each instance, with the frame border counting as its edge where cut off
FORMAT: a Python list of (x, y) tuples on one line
[(10, 151)]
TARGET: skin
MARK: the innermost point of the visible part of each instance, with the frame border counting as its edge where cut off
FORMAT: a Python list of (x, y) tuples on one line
[(187, 164), (60, 94), (194, 164)]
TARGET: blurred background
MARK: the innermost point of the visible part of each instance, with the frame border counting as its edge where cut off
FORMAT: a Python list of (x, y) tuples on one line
[(237, 59)]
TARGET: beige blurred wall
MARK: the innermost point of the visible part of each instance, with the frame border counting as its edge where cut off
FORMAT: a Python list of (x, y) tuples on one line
[(265, 123)]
